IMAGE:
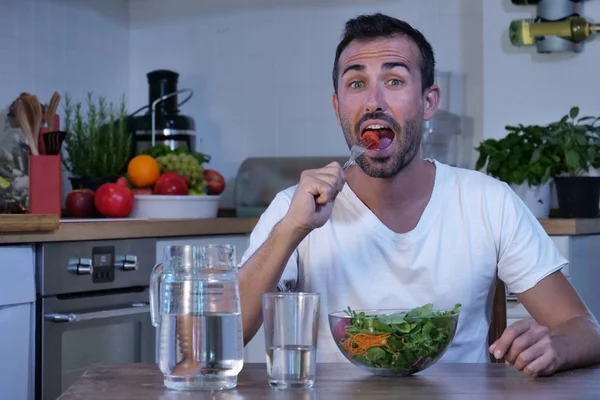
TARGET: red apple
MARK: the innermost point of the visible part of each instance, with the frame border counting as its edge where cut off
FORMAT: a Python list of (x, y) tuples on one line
[(215, 183), (171, 183), (80, 203)]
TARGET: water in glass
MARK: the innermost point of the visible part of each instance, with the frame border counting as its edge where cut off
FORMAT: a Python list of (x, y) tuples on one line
[(292, 366), (291, 323), (195, 305)]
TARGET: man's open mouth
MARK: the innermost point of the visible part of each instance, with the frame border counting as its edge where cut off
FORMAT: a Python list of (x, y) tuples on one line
[(383, 131)]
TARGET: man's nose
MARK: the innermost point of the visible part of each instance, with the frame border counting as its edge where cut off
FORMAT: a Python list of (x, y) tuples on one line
[(375, 101)]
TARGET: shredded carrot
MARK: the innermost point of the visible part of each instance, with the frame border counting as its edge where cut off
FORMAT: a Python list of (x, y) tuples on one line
[(361, 342)]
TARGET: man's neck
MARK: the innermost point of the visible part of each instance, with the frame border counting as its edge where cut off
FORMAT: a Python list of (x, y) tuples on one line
[(409, 188)]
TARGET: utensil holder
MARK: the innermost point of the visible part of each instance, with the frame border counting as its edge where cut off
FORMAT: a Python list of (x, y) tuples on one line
[(45, 184), (44, 129)]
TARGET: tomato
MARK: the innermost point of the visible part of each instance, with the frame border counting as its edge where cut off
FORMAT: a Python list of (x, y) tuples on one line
[(372, 139), (114, 200)]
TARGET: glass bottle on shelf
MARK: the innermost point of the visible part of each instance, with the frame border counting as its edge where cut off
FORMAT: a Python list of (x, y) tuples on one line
[(523, 32)]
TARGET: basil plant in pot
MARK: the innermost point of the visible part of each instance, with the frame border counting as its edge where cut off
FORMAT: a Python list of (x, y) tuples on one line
[(97, 143), (520, 160), (576, 142)]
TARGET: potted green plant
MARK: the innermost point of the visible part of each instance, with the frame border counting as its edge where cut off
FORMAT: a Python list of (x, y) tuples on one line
[(518, 160), (576, 143), (98, 144)]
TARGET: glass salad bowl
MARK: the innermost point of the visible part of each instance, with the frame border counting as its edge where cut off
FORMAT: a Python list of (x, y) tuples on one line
[(394, 342)]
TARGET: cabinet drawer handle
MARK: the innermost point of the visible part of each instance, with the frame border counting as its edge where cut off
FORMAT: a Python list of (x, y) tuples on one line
[(136, 308)]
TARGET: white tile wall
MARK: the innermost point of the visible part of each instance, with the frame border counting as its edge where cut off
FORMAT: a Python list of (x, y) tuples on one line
[(261, 70), (65, 45), (522, 86)]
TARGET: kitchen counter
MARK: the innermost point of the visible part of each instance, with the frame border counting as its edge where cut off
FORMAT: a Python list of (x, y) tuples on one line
[(571, 227), (44, 228), (99, 229), (345, 381)]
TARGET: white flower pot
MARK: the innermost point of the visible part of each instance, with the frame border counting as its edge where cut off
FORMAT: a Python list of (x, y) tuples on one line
[(536, 198)]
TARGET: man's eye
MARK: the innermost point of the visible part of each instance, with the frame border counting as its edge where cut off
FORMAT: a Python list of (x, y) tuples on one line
[(356, 85), (394, 82)]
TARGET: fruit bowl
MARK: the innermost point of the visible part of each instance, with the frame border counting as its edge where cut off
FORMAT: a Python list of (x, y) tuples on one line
[(394, 342), (153, 206)]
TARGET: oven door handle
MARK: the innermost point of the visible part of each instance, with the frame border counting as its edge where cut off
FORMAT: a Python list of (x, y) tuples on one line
[(136, 308)]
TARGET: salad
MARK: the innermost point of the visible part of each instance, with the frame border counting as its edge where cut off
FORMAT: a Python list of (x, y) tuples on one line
[(399, 341)]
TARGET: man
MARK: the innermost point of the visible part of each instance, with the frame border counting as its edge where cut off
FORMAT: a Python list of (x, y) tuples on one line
[(398, 231)]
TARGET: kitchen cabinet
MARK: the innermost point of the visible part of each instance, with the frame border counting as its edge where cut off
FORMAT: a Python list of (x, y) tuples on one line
[(17, 312), (583, 272)]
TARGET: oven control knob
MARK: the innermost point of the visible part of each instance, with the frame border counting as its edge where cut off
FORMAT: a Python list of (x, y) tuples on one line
[(126, 263), (80, 266)]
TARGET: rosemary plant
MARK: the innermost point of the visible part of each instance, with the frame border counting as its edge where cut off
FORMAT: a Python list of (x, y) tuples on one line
[(97, 143)]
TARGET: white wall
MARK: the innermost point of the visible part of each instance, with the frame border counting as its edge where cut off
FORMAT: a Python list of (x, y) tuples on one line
[(256, 93), (261, 70), (522, 86), (64, 45)]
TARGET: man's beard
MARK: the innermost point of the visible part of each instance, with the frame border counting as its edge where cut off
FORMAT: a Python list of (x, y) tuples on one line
[(390, 166)]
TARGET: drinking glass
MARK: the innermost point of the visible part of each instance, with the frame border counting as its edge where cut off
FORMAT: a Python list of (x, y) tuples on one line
[(291, 325)]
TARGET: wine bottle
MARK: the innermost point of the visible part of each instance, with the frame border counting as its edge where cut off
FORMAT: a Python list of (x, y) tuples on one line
[(522, 32)]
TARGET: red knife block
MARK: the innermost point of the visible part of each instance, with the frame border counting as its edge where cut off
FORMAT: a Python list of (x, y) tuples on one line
[(45, 184)]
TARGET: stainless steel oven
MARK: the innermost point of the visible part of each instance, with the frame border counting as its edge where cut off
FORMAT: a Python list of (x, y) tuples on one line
[(92, 308)]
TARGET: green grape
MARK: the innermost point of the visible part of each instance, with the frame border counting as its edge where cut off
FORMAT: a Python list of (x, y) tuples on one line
[(185, 165)]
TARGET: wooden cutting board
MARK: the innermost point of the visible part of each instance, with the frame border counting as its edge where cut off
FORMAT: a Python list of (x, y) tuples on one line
[(15, 223)]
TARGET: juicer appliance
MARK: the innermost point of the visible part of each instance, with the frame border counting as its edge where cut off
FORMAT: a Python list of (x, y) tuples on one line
[(162, 117)]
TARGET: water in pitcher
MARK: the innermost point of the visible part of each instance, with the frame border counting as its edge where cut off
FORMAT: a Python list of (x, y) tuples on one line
[(195, 305), (201, 351), (291, 366)]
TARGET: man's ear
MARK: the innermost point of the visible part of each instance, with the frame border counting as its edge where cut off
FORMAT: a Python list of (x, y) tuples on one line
[(334, 101), (431, 102)]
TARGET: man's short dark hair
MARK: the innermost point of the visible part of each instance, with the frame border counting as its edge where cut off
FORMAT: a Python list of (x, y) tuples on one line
[(375, 26)]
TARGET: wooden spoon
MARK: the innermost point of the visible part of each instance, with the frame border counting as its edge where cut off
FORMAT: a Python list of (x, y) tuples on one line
[(51, 112), (34, 112), (23, 119)]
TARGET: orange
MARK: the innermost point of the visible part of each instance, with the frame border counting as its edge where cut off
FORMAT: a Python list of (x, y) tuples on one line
[(143, 171)]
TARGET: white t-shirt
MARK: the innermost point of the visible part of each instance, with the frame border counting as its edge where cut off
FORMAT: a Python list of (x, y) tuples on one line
[(473, 228)]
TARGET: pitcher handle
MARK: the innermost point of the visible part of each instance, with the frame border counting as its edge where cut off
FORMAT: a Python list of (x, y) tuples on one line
[(155, 293)]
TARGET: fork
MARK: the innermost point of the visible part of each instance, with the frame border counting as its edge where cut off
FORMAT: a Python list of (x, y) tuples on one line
[(356, 151)]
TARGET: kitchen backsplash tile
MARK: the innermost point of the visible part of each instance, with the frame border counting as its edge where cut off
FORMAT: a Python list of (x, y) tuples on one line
[(261, 71), (64, 45)]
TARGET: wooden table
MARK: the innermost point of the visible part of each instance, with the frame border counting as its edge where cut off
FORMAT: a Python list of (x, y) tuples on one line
[(344, 381)]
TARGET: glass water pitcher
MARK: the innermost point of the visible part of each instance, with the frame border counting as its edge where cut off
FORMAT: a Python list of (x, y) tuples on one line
[(195, 304)]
